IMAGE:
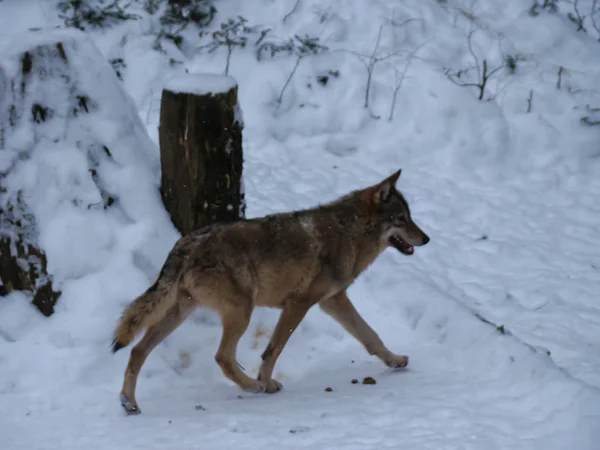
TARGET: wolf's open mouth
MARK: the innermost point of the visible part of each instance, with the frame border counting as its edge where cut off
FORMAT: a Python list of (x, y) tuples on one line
[(402, 246)]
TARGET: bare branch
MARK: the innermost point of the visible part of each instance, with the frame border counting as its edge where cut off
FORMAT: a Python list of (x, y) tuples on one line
[(376, 43), (400, 81), (390, 55), (404, 22), (365, 57), (292, 11), (397, 88), (593, 17), (561, 70), (470, 46), (371, 65), (577, 18), (292, 73), (482, 70), (495, 70), (306, 46), (361, 56), (587, 121), (459, 83), (529, 99), (373, 60)]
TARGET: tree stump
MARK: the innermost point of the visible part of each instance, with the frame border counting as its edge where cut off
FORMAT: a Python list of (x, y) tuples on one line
[(23, 264), (200, 135), (67, 127)]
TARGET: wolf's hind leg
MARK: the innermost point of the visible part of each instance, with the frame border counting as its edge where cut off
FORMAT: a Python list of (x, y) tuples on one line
[(153, 336), (342, 310)]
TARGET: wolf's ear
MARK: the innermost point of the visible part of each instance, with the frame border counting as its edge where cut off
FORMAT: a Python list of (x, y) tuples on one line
[(383, 189)]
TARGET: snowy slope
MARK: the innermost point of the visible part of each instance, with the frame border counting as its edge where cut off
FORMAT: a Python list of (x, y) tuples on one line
[(508, 197)]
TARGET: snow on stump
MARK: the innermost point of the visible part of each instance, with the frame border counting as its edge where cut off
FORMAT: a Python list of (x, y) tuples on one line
[(23, 264), (70, 141), (200, 134)]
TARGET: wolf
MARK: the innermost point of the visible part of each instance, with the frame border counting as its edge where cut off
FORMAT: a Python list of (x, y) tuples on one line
[(290, 261)]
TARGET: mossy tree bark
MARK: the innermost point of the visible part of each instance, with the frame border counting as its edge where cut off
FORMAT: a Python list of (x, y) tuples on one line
[(201, 158)]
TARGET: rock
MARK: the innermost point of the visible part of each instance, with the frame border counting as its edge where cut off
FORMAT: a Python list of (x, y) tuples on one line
[(369, 380)]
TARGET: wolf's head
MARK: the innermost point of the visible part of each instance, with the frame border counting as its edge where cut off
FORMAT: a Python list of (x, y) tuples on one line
[(391, 213)]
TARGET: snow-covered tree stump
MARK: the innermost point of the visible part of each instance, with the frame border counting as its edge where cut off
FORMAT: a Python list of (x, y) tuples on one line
[(76, 163), (200, 135), (23, 264)]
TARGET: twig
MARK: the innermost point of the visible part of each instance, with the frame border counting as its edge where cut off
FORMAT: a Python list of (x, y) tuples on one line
[(587, 121), (292, 11), (397, 88), (499, 328), (404, 22), (280, 98), (470, 46), (399, 82), (529, 99), (372, 61), (460, 84), (593, 19), (229, 51), (482, 72), (308, 46), (577, 19), (485, 77), (561, 69), (230, 35), (502, 330)]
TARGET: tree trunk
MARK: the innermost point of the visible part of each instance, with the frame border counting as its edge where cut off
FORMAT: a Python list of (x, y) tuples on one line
[(200, 136)]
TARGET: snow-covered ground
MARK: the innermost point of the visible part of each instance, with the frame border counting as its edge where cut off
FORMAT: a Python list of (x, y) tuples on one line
[(510, 199)]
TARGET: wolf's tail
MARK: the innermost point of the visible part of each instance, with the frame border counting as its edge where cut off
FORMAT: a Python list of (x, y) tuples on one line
[(149, 307), (143, 312)]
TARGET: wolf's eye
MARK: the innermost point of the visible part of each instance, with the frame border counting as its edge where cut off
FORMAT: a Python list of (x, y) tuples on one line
[(398, 220)]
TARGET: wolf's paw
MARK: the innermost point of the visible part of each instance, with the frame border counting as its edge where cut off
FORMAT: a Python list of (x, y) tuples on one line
[(131, 408), (397, 361), (260, 386), (255, 388), (270, 386), (273, 386)]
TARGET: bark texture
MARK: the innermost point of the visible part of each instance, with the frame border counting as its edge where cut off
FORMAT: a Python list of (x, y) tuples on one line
[(201, 158)]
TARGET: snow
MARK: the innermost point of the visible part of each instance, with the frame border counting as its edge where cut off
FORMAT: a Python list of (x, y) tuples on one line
[(508, 197), (56, 179), (200, 84), (22, 41)]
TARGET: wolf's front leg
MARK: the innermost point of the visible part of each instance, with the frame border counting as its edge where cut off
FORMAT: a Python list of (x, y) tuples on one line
[(291, 315), (342, 310)]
